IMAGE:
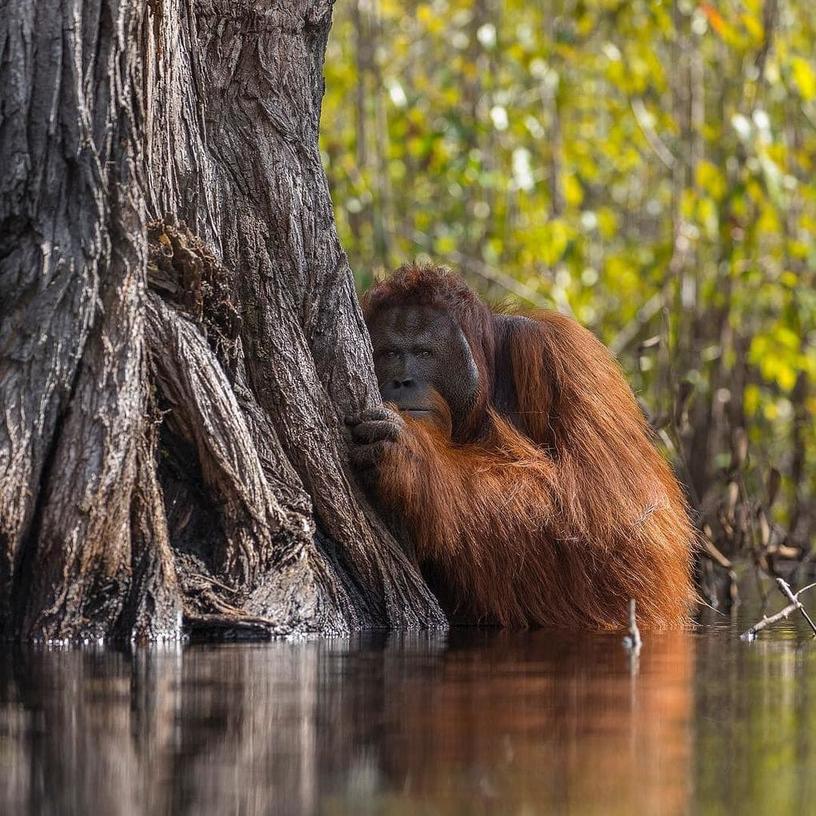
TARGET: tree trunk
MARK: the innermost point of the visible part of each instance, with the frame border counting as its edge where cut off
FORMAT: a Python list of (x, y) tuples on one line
[(179, 332)]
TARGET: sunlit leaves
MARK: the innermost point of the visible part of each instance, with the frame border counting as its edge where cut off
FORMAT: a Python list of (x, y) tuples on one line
[(711, 179), (804, 77), (563, 143)]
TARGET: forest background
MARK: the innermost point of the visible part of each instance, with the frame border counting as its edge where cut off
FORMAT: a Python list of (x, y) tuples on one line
[(646, 166)]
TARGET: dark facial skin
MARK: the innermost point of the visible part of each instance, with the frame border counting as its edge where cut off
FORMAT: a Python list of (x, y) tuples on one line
[(418, 351)]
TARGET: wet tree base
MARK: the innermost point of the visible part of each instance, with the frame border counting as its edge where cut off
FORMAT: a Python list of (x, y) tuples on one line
[(172, 459)]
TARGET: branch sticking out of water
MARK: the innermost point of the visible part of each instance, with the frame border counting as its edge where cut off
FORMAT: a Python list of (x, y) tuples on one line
[(794, 604), (785, 589), (633, 641)]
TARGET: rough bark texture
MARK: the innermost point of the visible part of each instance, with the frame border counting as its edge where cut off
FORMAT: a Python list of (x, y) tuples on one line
[(179, 332)]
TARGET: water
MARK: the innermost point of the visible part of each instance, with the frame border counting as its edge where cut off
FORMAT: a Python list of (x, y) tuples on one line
[(473, 722)]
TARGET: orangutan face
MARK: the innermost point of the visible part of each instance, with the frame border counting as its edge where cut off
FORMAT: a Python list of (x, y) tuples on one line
[(420, 351)]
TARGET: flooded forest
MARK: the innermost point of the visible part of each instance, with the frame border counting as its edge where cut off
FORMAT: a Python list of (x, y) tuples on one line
[(407, 407)]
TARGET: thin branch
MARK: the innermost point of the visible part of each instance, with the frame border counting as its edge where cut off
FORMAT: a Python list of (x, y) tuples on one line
[(785, 589), (631, 330), (633, 641), (643, 119), (502, 279), (795, 604), (490, 274)]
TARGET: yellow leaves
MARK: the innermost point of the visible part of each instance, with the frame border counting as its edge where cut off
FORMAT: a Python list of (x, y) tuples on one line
[(755, 191), (708, 216), (768, 221), (701, 204), (776, 369), (397, 169), (807, 223), (450, 97), (573, 191), (710, 179), (637, 70), (751, 399), (415, 146), (616, 74), (431, 20), (742, 32), (516, 52), (754, 28), (771, 411), (585, 23), (688, 204), (787, 338), (620, 274), (543, 242), (555, 242), (804, 77), (391, 9), (444, 245), (607, 222), (777, 356)]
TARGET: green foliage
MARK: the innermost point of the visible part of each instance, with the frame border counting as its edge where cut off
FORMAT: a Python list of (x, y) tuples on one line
[(646, 165)]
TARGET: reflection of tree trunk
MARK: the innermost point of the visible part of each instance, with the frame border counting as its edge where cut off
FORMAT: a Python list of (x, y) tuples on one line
[(397, 724), (203, 118)]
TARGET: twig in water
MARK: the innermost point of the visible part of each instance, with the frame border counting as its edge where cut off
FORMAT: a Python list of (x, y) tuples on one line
[(633, 641), (795, 604), (785, 589)]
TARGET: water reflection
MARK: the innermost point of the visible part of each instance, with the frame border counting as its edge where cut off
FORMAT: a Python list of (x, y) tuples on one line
[(475, 722)]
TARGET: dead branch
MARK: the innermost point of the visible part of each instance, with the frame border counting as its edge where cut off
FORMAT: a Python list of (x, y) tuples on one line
[(633, 641), (795, 604), (785, 589)]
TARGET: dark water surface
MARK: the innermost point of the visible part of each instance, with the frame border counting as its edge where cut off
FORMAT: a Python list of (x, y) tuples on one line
[(470, 722)]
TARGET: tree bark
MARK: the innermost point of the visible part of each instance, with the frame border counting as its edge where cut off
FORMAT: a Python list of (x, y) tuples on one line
[(179, 333)]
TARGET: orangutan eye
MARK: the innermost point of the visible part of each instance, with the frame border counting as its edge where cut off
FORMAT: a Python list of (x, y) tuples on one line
[(424, 352)]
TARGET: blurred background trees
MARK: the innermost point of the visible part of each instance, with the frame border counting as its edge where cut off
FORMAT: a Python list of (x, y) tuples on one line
[(646, 166)]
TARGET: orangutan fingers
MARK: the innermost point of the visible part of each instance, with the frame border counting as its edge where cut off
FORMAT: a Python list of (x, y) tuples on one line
[(375, 431), (369, 415)]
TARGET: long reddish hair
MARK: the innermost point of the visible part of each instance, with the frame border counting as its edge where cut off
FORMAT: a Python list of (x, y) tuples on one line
[(559, 514)]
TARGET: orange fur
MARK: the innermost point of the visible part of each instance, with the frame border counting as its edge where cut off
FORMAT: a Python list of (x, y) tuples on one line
[(557, 516)]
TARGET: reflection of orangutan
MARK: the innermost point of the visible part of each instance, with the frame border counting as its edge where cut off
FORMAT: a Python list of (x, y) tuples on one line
[(519, 462)]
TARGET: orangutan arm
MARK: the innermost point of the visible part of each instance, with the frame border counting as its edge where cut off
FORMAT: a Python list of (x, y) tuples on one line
[(475, 513), (402, 463)]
